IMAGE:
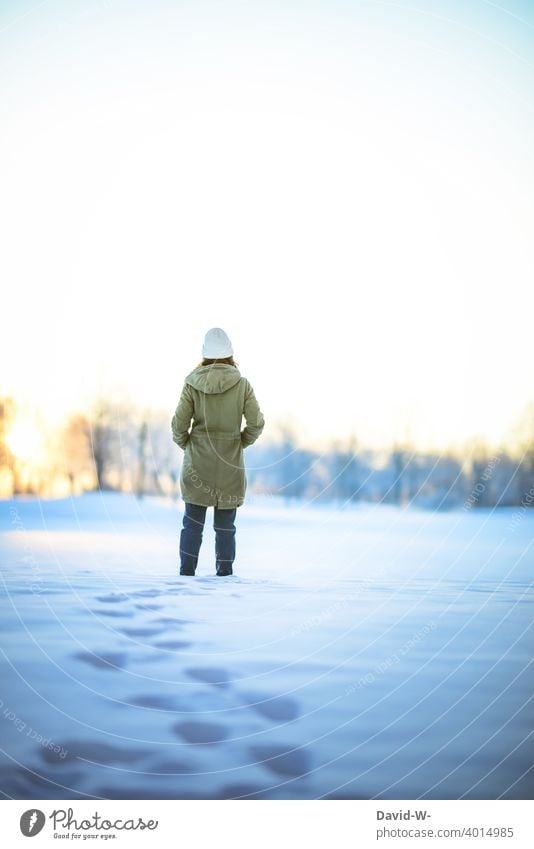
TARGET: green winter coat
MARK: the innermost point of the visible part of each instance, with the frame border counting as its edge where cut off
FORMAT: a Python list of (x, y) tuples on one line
[(215, 397)]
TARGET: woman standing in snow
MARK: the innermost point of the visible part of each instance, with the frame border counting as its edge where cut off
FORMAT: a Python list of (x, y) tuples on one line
[(216, 397)]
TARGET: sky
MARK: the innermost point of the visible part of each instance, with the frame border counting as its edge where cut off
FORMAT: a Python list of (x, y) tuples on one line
[(345, 187)]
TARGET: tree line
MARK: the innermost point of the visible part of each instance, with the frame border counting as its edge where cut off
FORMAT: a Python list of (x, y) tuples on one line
[(121, 448)]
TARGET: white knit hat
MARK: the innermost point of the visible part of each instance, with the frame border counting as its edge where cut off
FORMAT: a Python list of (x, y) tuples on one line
[(217, 345)]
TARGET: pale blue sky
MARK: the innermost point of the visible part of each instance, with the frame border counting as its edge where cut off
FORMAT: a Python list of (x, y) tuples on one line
[(346, 188)]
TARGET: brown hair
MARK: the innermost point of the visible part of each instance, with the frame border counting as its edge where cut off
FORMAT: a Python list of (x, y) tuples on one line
[(208, 361)]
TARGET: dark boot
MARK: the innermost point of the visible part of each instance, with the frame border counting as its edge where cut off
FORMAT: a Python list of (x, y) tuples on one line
[(224, 524)]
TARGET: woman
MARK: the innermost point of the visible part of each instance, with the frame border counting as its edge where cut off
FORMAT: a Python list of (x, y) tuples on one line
[(216, 397)]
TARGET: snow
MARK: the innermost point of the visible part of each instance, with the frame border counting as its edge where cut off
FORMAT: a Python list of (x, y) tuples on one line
[(358, 652)]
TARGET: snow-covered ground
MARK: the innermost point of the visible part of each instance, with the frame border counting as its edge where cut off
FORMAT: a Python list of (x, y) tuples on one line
[(366, 652)]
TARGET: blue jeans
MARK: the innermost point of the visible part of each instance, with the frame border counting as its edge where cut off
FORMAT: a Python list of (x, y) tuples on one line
[(191, 538)]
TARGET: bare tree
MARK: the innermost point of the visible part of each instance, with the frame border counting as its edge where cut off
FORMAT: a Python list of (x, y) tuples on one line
[(346, 469), (141, 459), (76, 458), (164, 459), (399, 463), (102, 434), (7, 459)]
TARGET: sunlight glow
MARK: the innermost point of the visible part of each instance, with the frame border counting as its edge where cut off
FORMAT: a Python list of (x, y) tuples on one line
[(25, 440)]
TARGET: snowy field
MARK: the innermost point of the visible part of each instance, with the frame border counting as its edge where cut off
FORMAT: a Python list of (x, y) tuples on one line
[(365, 652)]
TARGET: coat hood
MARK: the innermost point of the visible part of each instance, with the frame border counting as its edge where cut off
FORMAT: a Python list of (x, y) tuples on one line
[(214, 379)]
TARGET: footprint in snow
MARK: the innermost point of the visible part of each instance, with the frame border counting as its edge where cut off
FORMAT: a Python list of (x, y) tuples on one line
[(103, 660), (94, 751), (146, 593), (282, 760), (201, 733), (34, 782), (276, 708), (156, 702), (215, 675), (178, 767), (114, 598), (141, 631), (116, 614), (172, 645), (172, 620)]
